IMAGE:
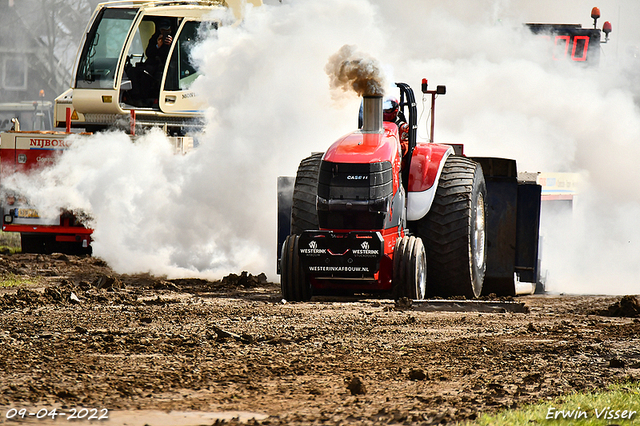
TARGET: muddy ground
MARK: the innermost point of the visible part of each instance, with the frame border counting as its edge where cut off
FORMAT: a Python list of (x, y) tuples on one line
[(79, 335)]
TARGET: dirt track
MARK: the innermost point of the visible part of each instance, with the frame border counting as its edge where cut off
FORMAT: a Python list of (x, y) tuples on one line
[(82, 336)]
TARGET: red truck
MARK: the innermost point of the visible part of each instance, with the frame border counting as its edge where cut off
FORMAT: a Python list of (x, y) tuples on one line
[(26, 152)]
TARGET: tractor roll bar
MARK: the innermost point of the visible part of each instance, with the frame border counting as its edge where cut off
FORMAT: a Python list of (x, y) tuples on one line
[(407, 99)]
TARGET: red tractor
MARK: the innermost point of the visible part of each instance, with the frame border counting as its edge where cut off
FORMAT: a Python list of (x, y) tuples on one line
[(370, 215)]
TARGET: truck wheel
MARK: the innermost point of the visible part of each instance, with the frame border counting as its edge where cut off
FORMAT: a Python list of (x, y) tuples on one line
[(409, 269), (294, 284), (304, 215), (30, 243), (454, 231)]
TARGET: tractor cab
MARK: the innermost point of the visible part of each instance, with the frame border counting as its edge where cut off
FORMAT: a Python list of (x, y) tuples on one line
[(135, 56)]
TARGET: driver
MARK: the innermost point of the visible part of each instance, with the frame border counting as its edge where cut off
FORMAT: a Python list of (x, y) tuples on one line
[(160, 44), (391, 112)]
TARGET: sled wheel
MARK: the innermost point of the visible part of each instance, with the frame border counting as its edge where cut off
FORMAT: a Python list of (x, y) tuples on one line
[(304, 215), (454, 231), (409, 269), (294, 284)]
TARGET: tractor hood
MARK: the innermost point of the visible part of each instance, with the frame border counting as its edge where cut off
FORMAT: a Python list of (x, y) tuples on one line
[(365, 147)]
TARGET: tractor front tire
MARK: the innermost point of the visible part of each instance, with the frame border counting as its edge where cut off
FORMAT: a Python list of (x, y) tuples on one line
[(304, 215), (294, 283), (409, 269), (454, 231)]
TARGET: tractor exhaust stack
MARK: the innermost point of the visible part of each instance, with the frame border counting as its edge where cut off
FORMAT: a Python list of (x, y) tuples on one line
[(372, 114)]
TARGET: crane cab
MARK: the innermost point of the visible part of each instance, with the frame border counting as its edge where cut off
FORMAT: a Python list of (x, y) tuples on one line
[(117, 70)]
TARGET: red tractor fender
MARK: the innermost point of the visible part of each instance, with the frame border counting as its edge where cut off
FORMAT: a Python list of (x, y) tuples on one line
[(427, 162)]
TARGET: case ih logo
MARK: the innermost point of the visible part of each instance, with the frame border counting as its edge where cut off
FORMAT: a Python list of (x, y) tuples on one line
[(49, 143), (357, 177)]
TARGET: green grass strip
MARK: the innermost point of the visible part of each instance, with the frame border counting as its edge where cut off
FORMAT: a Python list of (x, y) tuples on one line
[(12, 280), (619, 405), (10, 240)]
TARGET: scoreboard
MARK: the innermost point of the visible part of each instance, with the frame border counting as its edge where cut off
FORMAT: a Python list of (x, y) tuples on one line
[(571, 41)]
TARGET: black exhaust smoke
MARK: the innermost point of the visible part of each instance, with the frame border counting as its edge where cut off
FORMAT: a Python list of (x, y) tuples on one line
[(353, 71)]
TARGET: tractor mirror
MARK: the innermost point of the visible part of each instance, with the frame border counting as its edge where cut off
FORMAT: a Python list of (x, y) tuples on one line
[(441, 90)]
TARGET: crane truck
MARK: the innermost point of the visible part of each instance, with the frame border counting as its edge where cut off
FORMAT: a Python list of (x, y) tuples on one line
[(115, 84)]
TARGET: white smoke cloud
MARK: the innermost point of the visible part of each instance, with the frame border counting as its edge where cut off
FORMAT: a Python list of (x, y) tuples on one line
[(213, 211), (507, 98)]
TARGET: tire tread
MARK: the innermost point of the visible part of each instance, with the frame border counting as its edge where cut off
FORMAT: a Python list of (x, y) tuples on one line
[(446, 230)]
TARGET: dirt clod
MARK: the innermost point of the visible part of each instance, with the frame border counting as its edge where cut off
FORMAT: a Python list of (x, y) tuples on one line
[(403, 303), (616, 363), (417, 374), (108, 282), (627, 306), (356, 386), (245, 280)]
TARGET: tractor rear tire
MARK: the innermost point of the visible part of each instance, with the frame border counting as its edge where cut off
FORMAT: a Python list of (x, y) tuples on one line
[(454, 231), (304, 215), (294, 283), (409, 269)]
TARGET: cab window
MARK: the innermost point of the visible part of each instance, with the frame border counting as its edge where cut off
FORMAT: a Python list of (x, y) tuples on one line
[(143, 75), (100, 54), (181, 72)]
